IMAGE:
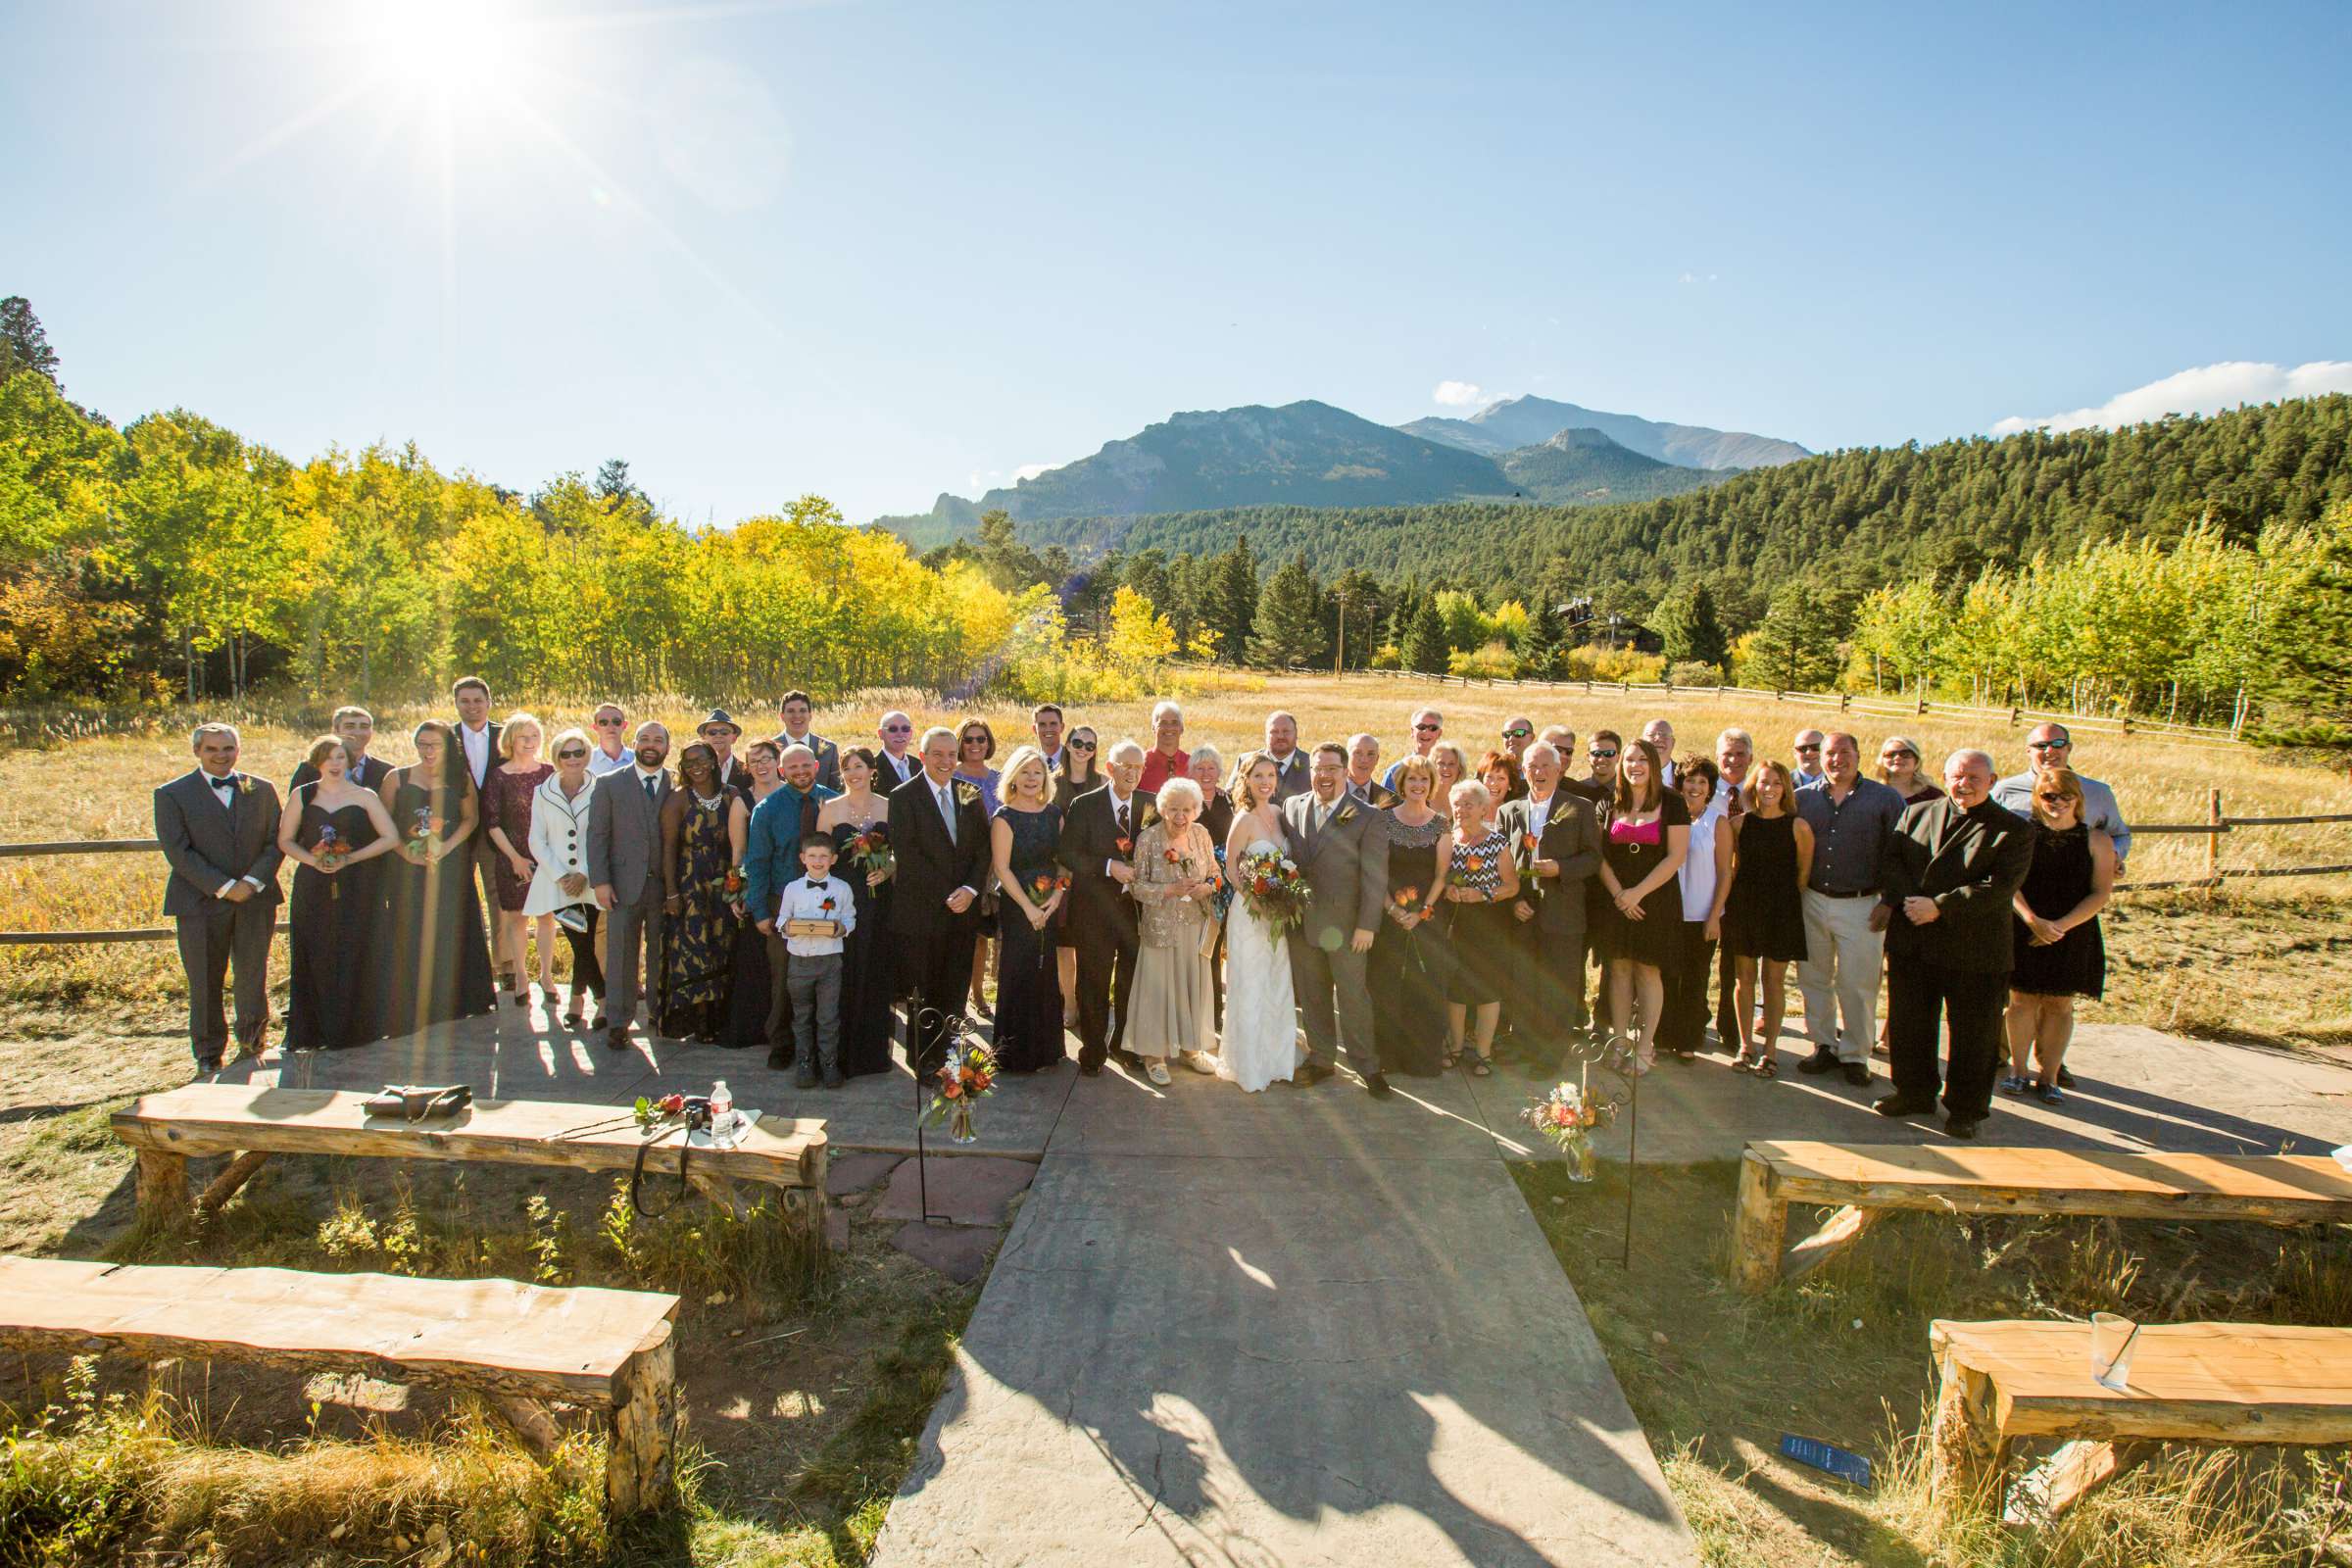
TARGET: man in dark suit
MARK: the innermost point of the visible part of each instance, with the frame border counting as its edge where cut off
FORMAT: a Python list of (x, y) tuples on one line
[(219, 830), (1341, 846), (1364, 782), (1098, 849), (624, 868), (939, 831), (355, 727), (478, 744), (1948, 878), (795, 710), (1550, 909), (899, 764)]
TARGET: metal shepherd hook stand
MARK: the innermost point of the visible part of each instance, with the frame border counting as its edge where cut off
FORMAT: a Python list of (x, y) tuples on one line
[(1604, 1055), (951, 1027)]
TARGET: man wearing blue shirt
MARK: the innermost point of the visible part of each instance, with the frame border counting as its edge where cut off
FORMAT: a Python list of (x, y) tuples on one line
[(1852, 819), (772, 860)]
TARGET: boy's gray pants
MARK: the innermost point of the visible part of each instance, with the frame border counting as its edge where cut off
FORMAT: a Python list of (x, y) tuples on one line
[(814, 983)]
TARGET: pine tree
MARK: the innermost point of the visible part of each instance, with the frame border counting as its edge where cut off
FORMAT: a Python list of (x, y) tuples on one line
[(23, 346), (1795, 646), (1233, 600), (1539, 651), (1687, 624), (1424, 647), (1289, 619)]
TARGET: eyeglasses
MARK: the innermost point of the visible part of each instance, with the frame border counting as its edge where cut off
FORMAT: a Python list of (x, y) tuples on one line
[(1426, 729), (1079, 745), (898, 730), (1517, 734), (1813, 745), (975, 740), (607, 723), (1600, 755), (2053, 801), (1899, 751), (569, 757), (2047, 746)]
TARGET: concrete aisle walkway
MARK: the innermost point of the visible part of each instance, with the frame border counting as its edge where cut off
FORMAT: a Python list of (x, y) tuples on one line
[(1296, 1328)]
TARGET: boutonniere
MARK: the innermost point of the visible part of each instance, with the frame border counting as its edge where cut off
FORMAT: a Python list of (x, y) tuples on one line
[(1346, 814), (1126, 846), (967, 794), (244, 783), (827, 904)]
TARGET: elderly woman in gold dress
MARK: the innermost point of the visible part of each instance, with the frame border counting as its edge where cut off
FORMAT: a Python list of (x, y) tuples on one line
[(1173, 1012)]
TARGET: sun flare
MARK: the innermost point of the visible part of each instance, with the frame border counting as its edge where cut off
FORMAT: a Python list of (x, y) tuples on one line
[(447, 44)]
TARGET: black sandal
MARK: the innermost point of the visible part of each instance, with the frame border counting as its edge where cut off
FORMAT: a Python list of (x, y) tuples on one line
[(1481, 1067)]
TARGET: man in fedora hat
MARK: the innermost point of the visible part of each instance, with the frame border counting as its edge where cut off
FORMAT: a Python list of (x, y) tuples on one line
[(719, 732)]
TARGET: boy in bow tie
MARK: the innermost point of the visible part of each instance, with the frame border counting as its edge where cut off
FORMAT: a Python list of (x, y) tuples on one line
[(813, 966)]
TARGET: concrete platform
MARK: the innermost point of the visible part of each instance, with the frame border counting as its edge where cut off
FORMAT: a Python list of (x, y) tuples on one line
[(1328, 1357)]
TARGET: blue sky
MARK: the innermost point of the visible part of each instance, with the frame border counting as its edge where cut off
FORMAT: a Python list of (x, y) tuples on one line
[(877, 250)]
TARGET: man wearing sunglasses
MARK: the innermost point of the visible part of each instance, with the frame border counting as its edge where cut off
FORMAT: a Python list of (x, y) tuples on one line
[(1518, 734), (2050, 746), (610, 754), (1428, 729), (899, 765), (1807, 746)]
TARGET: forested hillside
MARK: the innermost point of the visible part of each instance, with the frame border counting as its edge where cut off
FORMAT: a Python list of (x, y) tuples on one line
[(1868, 515)]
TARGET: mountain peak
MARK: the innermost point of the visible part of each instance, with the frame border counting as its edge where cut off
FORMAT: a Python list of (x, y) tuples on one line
[(1530, 421)]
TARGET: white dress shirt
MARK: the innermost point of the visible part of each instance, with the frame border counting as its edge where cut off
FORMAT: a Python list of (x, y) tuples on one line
[(804, 900), (601, 762), (1128, 832), (477, 752)]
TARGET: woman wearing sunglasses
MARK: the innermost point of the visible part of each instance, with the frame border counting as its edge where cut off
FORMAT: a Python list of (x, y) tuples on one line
[(559, 893), (975, 744), (2057, 952), (1074, 777)]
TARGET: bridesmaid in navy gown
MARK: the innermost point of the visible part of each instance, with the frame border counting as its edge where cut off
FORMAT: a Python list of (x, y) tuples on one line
[(436, 964), (857, 820), (333, 830)]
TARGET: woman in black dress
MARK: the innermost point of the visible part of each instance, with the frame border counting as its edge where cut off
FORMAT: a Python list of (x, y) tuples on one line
[(1408, 952), (436, 963), (2058, 952), (1764, 918), (747, 1007), (331, 828), (1481, 878), (703, 826), (1073, 776), (1030, 895), (857, 820), (1645, 831)]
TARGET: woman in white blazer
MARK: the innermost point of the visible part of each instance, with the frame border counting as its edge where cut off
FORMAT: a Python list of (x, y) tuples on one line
[(560, 867)]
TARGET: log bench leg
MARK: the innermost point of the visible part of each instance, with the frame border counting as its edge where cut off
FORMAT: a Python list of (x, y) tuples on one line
[(639, 1477), (224, 1186), (1970, 1456), (162, 1184), (1758, 1226), (2073, 1471), (1840, 1232)]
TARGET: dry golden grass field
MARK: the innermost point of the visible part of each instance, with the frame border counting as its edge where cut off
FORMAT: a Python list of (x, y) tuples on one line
[(807, 1399)]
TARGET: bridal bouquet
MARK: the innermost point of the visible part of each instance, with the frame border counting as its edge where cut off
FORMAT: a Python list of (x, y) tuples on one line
[(1272, 884), (968, 1073), (870, 852), (1567, 1116)]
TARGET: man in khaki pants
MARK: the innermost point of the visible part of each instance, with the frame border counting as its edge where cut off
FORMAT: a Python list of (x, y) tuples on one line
[(1852, 819)]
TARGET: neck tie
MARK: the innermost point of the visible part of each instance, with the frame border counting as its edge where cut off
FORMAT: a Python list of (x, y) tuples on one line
[(648, 781), (947, 811), (1122, 816), (1322, 818)]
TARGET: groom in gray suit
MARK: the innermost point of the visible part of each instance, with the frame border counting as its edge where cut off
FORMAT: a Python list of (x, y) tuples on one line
[(625, 868), (219, 830), (1341, 844)]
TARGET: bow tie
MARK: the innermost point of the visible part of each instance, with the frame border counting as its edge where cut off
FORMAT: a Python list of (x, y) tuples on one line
[(228, 783), (815, 885)]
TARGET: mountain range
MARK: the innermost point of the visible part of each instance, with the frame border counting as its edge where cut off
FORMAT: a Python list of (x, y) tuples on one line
[(1310, 454)]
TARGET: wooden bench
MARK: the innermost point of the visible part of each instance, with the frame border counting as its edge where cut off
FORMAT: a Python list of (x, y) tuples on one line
[(2187, 1382), (1870, 1179), (254, 1123), (523, 1344)]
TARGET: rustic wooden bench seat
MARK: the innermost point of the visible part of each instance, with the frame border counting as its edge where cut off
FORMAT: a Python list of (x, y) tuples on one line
[(254, 1123), (1870, 1179), (523, 1344), (2251, 1383)]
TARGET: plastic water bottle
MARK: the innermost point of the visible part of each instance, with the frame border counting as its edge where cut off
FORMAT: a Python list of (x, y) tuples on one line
[(722, 1113)]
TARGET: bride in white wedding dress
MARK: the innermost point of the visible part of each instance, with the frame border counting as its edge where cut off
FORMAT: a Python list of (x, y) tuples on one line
[(1261, 1020)]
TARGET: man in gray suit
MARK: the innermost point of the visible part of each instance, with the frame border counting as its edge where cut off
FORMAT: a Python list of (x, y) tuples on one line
[(1341, 846), (219, 829), (625, 868)]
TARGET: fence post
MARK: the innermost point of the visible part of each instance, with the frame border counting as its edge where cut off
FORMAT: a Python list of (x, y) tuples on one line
[(2213, 838), (1845, 700), (1923, 704), (2015, 713)]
